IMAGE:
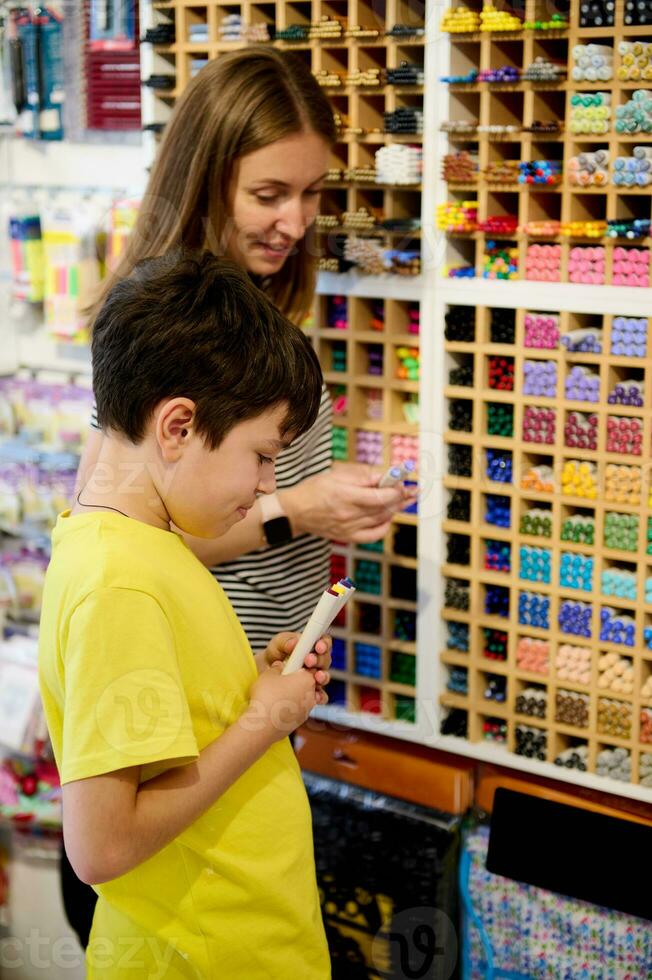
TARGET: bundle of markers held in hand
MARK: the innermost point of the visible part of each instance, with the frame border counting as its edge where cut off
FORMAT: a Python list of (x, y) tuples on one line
[(336, 597), (395, 474)]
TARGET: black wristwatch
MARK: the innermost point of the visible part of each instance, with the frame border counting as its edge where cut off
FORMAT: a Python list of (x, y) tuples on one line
[(276, 526), (277, 531)]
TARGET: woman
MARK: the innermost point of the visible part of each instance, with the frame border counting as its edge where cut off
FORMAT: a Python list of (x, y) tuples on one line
[(239, 172)]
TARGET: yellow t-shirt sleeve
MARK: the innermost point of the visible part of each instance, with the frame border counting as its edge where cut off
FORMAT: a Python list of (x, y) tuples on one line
[(124, 702)]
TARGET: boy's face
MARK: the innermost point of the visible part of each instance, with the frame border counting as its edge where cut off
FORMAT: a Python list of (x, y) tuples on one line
[(211, 490)]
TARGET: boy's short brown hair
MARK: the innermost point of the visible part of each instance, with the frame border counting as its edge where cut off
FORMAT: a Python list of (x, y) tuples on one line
[(192, 325)]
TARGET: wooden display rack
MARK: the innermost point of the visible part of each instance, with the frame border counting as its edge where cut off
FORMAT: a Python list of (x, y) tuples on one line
[(524, 454), (521, 104), (356, 385), (360, 107)]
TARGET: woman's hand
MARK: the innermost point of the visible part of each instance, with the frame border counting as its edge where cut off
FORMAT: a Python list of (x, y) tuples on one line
[(318, 661), (345, 504)]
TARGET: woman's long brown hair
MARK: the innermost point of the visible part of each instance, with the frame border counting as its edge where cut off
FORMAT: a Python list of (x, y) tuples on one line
[(238, 103)]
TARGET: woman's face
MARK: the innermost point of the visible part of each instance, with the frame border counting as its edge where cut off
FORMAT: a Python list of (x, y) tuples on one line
[(274, 199)]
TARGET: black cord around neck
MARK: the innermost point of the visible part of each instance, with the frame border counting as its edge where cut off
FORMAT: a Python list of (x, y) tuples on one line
[(101, 506)]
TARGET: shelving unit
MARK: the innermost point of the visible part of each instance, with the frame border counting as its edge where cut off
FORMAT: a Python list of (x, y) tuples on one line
[(375, 421), (374, 699), (560, 506), (35, 168), (522, 104), (576, 306)]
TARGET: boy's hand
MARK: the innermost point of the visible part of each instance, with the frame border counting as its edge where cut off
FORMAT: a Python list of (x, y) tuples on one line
[(279, 704), (317, 661)]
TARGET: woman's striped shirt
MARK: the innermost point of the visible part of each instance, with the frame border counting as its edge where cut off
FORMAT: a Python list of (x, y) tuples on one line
[(276, 589)]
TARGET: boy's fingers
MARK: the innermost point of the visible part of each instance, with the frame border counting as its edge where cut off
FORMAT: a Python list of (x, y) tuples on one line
[(320, 654), (284, 642)]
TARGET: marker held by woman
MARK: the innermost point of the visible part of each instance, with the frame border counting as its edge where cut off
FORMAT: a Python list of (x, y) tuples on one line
[(395, 474)]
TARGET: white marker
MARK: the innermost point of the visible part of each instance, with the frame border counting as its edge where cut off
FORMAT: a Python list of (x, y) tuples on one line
[(330, 603)]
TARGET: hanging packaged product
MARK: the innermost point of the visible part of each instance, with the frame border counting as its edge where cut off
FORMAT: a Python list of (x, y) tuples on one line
[(122, 218), (7, 104), (30, 793), (20, 700), (27, 569), (112, 71), (73, 241), (26, 248), (49, 41), (25, 73), (43, 424), (36, 48), (112, 26)]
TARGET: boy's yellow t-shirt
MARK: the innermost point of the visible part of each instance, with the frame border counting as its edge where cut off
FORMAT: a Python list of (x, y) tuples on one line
[(143, 662)]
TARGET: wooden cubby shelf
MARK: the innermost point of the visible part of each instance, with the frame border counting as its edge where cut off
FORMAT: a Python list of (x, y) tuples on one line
[(376, 422), (562, 547), (523, 104)]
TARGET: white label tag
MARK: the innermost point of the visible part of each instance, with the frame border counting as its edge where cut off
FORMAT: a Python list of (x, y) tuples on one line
[(19, 696)]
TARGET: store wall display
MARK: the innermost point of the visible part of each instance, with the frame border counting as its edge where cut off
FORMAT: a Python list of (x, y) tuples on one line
[(549, 119), (42, 429), (566, 581), (70, 68), (60, 245), (523, 469), (369, 349)]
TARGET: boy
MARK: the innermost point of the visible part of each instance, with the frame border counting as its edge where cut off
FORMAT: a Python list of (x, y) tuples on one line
[(183, 803)]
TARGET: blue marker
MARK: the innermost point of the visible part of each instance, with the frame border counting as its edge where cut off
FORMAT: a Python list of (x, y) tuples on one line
[(391, 477)]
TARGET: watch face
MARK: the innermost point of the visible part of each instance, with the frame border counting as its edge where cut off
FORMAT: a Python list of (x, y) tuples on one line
[(278, 531)]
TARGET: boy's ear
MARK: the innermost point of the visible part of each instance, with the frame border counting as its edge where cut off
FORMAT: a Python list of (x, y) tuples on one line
[(174, 424)]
